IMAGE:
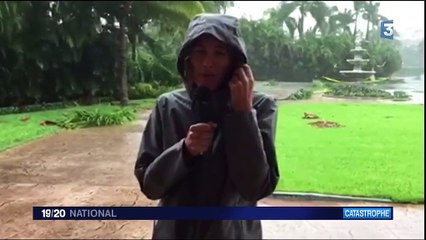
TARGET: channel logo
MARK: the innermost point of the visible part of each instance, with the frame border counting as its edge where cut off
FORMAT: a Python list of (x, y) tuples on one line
[(386, 29)]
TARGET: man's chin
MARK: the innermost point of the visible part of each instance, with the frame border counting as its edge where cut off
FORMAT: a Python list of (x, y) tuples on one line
[(212, 88)]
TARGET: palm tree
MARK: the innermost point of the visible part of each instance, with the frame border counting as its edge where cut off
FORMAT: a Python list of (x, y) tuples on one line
[(286, 8), (133, 16), (304, 8), (11, 17), (371, 15), (340, 22), (328, 19), (217, 6), (122, 43), (321, 13), (358, 7)]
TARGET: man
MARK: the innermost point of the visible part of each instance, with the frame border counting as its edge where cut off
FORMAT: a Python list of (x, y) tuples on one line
[(211, 144)]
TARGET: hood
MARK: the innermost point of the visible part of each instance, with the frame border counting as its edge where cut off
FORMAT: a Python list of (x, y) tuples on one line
[(223, 27)]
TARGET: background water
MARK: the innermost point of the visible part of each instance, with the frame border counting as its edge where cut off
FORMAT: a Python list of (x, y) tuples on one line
[(412, 85)]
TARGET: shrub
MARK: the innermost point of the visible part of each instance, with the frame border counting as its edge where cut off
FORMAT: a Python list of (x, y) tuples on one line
[(148, 90), (384, 58), (300, 94), (318, 85), (356, 90), (36, 107), (272, 82), (401, 96), (83, 118)]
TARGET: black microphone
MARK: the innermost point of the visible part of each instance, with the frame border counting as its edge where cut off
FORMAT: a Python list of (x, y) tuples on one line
[(203, 105)]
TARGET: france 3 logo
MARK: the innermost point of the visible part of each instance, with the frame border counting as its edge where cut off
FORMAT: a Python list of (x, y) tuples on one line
[(386, 29)]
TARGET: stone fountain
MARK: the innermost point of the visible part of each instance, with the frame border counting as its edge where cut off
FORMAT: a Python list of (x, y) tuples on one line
[(357, 73)]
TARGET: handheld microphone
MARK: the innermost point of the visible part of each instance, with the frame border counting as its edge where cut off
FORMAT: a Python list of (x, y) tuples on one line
[(203, 105)]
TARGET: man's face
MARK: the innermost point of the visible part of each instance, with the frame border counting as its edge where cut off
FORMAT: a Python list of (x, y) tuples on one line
[(210, 61)]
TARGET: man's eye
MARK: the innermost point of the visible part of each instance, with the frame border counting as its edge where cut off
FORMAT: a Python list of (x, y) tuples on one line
[(221, 53), (199, 51)]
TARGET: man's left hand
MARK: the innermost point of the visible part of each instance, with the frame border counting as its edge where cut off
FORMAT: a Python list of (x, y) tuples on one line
[(241, 87)]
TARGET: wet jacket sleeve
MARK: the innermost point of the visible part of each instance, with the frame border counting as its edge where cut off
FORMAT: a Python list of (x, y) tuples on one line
[(158, 169), (251, 152)]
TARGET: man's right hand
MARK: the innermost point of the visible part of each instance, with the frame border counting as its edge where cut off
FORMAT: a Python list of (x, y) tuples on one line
[(199, 138)]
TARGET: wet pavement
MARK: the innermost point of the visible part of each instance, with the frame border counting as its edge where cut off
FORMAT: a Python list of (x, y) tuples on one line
[(85, 167), (408, 223)]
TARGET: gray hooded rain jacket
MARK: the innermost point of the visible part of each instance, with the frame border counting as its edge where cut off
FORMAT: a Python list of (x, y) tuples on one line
[(239, 169)]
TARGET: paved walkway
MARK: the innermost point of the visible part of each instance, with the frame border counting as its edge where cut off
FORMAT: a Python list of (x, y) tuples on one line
[(408, 223), (94, 167)]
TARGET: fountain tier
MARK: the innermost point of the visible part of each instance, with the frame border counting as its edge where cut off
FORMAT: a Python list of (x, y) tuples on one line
[(357, 73)]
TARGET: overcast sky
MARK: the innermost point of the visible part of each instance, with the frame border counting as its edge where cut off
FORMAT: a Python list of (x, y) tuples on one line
[(408, 16)]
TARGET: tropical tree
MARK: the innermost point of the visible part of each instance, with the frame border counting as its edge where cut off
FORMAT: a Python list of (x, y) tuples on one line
[(358, 8), (133, 16), (373, 17), (328, 19), (286, 8), (47, 37), (217, 6), (341, 21), (321, 13), (59, 50)]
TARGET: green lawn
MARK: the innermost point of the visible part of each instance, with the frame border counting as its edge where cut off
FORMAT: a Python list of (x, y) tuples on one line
[(379, 152), (14, 132)]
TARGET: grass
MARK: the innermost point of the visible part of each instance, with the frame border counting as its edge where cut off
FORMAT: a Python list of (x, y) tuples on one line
[(379, 152), (14, 132)]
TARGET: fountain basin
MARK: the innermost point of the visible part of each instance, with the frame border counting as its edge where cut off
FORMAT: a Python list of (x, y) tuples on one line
[(358, 50), (357, 72), (356, 75), (360, 61)]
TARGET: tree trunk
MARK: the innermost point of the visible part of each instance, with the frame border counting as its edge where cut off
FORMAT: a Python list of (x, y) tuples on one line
[(316, 29), (134, 51), (133, 41), (368, 30), (122, 56), (370, 16), (302, 19), (356, 25)]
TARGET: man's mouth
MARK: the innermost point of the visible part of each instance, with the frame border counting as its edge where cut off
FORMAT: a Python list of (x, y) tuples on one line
[(208, 75)]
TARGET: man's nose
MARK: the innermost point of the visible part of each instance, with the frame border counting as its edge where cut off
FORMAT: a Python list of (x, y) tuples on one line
[(207, 62)]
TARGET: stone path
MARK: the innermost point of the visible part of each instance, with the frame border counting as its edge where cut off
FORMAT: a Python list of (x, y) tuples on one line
[(87, 167), (94, 167), (408, 223)]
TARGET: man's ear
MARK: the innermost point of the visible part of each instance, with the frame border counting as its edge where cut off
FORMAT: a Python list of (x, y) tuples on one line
[(188, 71), (187, 66), (232, 68)]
